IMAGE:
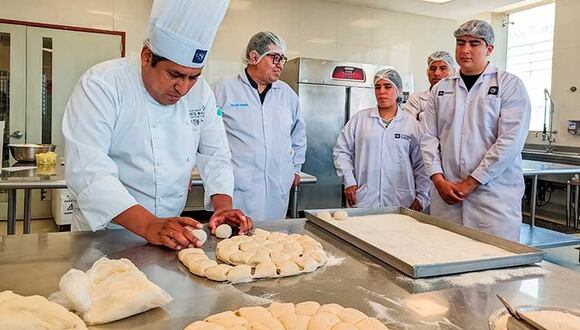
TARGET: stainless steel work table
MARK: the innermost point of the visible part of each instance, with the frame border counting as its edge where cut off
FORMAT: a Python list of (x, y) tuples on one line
[(33, 264), (27, 180), (535, 169)]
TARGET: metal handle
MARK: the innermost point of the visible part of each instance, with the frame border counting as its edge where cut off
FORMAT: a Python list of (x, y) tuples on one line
[(17, 135)]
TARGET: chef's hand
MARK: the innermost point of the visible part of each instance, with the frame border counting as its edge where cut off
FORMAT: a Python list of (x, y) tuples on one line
[(170, 232), (468, 185), (448, 191), (224, 213), (234, 218), (416, 206), (296, 182), (350, 194)]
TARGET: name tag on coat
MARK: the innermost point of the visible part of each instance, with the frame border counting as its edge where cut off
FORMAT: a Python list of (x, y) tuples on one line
[(402, 136)]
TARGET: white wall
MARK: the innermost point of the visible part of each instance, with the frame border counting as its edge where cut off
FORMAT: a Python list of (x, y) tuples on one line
[(565, 72), (312, 28)]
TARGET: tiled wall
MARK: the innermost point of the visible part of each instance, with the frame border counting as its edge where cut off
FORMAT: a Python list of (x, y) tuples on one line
[(312, 28)]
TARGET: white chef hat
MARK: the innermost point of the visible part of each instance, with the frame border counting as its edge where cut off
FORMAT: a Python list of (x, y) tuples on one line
[(183, 30)]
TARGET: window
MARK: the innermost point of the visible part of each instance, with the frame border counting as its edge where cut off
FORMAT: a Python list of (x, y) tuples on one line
[(529, 56)]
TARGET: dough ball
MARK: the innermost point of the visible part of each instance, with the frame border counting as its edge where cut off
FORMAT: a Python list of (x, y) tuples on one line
[(323, 320), (198, 268), (265, 270), (340, 215), (307, 308), (201, 325), (324, 215), (200, 234), (279, 309), (343, 326), (218, 273), (371, 324), (330, 308), (288, 268), (351, 315), (240, 274), (295, 321), (223, 231)]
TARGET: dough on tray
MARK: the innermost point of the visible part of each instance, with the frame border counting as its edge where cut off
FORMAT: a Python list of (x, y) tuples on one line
[(305, 315), (262, 255)]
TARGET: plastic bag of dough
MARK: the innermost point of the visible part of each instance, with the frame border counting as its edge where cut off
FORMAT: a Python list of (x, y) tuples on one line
[(118, 290), (35, 312)]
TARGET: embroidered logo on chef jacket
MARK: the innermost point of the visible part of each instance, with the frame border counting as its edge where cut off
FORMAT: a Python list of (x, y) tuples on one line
[(199, 56), (493, 90), (441, 93), (239, 105), (402, 136), (219, 111), (197, 116)]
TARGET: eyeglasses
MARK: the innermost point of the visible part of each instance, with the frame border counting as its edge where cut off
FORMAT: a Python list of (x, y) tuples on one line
[(278, 58)]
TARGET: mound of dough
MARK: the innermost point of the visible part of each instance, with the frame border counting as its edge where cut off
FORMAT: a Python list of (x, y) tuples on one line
[(223, 231), (35, 312), (111, 290), (282, 316), (340, 215), (262, 255)]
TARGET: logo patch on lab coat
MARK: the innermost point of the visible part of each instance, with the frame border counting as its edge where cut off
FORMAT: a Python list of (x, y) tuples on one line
[(402, 136), (199, 56), (493, 90), (441, 93), (197, 115)]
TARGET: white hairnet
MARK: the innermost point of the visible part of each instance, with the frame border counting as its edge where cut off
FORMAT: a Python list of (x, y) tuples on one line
[(261, 42), (444, 56), (394, 77), (478, 29)]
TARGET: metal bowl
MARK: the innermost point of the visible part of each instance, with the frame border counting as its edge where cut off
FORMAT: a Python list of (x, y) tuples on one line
[(26, 152)]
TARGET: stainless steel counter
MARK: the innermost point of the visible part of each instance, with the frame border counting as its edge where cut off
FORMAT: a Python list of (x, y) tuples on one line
[(33, 264)]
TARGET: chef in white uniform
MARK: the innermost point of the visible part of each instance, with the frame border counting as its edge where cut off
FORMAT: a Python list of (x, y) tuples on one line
[(473, 133), (266, 133), (440, 64), (378, 154), (135, 128)]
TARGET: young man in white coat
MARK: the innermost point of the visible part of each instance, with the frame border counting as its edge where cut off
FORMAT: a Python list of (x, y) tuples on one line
[(473, 132), (440, 64), (266, 133), (378, 155), (135, 128)]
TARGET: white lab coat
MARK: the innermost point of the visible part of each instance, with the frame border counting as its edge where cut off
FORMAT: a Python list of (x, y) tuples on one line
[(268, 144), (385, 163), (416, 104), (124, 148), (479, 134)]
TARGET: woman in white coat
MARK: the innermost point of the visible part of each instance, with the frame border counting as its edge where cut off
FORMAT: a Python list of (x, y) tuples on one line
[(377, 154)]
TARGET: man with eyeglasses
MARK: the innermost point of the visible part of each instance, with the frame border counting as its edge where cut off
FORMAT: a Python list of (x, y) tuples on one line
[(475, 125), (265, 131)]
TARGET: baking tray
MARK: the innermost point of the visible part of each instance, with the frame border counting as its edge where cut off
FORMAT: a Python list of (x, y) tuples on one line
[(525, 255)]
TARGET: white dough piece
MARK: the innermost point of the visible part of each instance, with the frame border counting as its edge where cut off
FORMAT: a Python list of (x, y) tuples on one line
[(240, 274), (35, 312), (324, 215), (199, 267), (265, 270), (118, 290), (288, 268), (75, 285), (223, 231), (340, 215), (218, 272), (200, 234), (307, 315)]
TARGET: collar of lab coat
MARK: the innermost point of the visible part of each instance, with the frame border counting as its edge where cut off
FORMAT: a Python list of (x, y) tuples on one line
[(489, 69), (242, 76), (398, 116)]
